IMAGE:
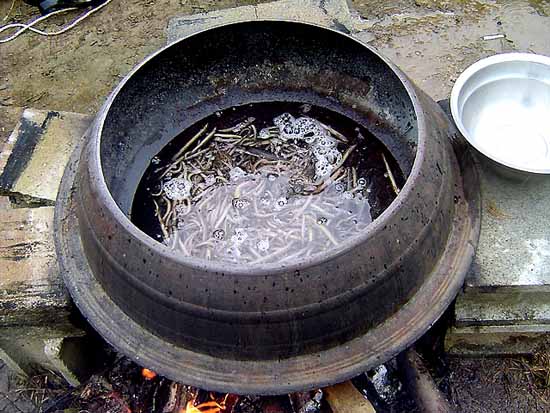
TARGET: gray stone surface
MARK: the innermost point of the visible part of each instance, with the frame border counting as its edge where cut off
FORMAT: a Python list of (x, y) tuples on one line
[(504, 308), (330, 13), (497, 340), (36, 312), (31, 289), (33, 158), (514, 245), (505, 305)]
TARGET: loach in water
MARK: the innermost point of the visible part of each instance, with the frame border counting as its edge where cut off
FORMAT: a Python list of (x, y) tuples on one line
[(252, 194)]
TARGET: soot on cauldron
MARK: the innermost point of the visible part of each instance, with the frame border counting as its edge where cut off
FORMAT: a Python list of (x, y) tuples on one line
[(282, 181)]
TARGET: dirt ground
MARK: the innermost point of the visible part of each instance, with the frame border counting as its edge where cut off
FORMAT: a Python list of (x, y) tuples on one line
[(431, 40), (497, 385)]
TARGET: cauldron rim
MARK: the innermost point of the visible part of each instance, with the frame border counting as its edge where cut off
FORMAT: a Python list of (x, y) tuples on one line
[(260, 269)]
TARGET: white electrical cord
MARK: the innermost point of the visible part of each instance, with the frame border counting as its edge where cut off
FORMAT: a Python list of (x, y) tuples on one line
[(29, 26)]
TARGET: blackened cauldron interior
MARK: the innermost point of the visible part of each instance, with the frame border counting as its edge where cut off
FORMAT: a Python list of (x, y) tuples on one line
[(244, 63)]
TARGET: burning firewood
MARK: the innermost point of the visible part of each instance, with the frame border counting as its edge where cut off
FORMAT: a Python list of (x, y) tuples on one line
[(186, 399), (421, 384), (345, 398)]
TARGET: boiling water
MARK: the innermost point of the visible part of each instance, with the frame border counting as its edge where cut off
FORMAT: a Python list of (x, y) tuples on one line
[(265, 183)]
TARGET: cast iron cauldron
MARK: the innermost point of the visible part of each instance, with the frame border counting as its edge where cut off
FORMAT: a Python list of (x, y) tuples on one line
[(265, 329)]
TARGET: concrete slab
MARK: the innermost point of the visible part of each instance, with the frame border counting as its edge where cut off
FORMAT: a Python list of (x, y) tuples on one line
[(504, 309), (482, 341), (34, 156), (36, 311), (514, 246), (31, 289), (330, 13)]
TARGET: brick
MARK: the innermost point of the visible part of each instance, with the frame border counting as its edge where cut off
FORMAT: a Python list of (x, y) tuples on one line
[(33, 158)]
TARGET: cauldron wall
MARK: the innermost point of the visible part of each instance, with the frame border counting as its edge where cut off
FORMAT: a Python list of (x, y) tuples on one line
[(264, 328), (235, 65)]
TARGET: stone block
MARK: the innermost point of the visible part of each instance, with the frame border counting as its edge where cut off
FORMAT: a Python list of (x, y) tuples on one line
[(33, 157), (35, 308), (495, 340), (39, 324), (503, 308), (31, 289), (514, 246), (330, 13)]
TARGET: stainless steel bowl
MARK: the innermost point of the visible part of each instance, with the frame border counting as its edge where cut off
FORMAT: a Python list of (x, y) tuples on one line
[(501, 105)]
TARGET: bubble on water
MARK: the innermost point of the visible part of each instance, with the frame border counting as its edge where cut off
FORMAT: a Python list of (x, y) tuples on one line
[(322, 220), (177, 189), (361, 182), (263, 245), (322, 144), (320, 152), (339, 187), (219, 234), (240, 203), (326, 142), (347, 195), (310, 138), (322, 169), (155, 160), (333, 156), (281, 202), (236, 173), (284, 119), (239, 236)]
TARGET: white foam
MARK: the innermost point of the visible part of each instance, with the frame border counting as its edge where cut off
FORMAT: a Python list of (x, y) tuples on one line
[(177, 189)]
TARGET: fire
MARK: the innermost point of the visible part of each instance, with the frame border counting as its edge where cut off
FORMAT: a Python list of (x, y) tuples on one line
[(148, 374), (214, 405)]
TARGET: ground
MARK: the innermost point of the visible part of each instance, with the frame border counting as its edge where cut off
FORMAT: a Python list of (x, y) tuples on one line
[(431, 40)]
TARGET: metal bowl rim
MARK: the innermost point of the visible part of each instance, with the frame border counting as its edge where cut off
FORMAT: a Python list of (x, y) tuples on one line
[(465, 77)]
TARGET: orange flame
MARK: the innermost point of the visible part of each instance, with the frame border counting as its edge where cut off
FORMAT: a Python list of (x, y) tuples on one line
[(148, 374), (210, 406)]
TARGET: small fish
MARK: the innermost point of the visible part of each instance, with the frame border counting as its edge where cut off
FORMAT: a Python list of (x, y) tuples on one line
[(260, 153)]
